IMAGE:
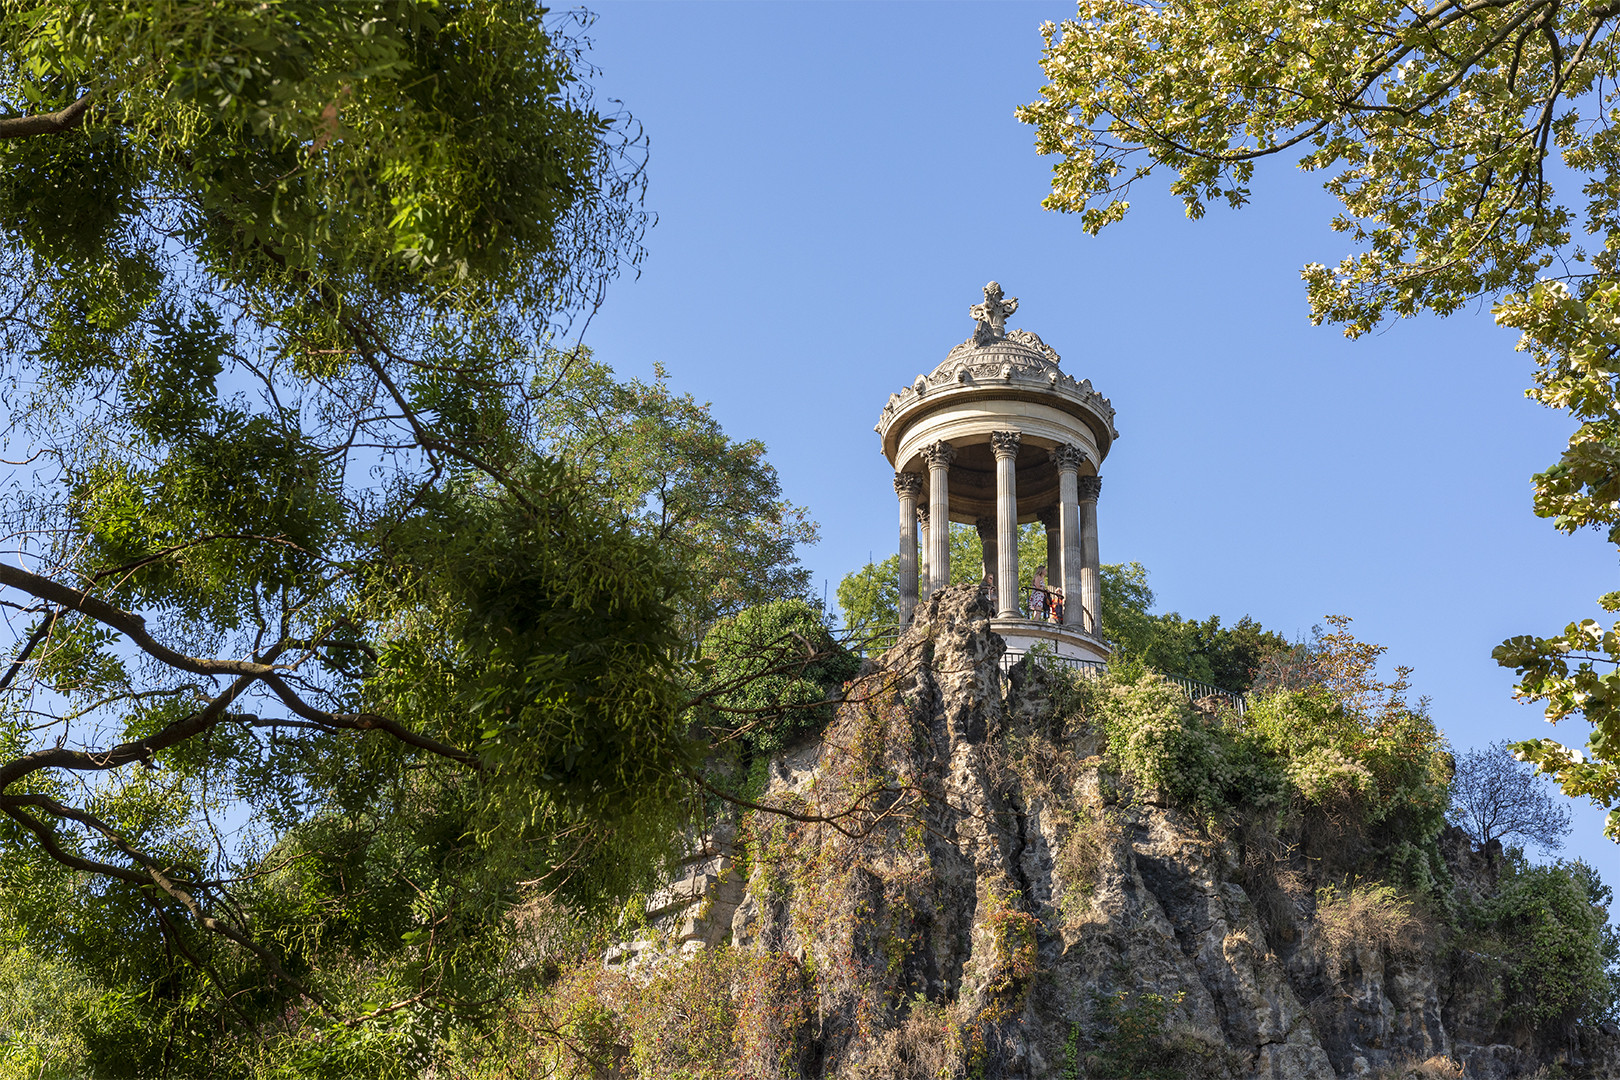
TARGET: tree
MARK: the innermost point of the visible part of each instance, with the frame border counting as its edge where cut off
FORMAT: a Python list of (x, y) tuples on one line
[(315, 657), (776, 671), (869, 599), (1494, 797), (1548, 934), (1441, 129), (662, 461)]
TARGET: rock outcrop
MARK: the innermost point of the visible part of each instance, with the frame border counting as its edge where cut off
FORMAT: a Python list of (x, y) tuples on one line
[(969, 893)]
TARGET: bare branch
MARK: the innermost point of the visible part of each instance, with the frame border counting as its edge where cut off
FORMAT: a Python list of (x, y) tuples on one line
[(127, 623), (22, 127)]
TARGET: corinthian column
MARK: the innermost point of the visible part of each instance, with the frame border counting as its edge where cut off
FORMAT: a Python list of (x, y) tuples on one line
[(939, 457), (908, 486), (1090, 563), (1052, 519), (1068, 460), (925, 586), (987, 540), (1005, 445)]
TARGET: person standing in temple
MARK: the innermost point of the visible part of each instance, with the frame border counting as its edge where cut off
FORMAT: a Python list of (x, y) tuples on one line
[(1037, 595)]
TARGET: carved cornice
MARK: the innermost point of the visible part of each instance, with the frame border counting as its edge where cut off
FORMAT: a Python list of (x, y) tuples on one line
[(1003, 368), (1005, 443), (1067, 457), (908, 485), (1021, 359), (940, 455), (1090, 488)]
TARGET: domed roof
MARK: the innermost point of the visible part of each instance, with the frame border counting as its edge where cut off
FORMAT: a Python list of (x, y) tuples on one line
[(1019, 353)]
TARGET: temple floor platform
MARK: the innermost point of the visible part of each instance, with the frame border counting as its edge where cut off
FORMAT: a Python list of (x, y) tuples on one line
[(1022, 634)]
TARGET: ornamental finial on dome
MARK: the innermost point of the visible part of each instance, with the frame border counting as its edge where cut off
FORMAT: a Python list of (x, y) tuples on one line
[(992, 315)]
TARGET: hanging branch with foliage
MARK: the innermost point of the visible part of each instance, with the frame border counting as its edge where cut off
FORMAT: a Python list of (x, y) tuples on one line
[(1442, 130)]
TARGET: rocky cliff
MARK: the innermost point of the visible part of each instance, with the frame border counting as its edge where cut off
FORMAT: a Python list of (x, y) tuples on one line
[(961, 888)]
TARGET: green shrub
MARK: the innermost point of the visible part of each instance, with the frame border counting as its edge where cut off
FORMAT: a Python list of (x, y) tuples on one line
[(1384, 779), (777, 672), (1549, 928), (1159, 740), (1134, 1041)]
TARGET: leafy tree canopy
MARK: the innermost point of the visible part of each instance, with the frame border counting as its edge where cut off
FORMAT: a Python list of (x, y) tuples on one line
[(315, 659), (775, 671), (1441, 129), (661, 460), (869, 601), (1547, 929)]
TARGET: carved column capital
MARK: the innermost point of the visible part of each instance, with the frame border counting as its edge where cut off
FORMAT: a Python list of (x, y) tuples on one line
[(1005, 443), (1051, 517), (908, 485), (986, 525), (1067, 457), (939, 455), (1090, 488), (922, 514)]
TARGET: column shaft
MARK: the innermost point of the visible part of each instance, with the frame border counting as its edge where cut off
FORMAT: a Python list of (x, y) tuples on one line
[(1090, 561), (1005, 445), (1068, 460), (908, 486), (1052, 520), (939, 457), (925, 585), (987, 541)]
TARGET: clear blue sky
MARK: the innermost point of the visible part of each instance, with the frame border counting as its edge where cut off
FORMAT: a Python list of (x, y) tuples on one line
[(835, 182)]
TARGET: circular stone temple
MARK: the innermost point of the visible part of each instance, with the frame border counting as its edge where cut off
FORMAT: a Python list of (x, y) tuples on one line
[(996, 436)]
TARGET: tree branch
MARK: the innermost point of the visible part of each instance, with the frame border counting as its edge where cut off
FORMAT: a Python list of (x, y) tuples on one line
[(28, 648), (369, 722), (22, 127), (125, 753), (127, 623)]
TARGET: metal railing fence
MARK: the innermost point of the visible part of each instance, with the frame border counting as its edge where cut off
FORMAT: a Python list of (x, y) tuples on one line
[(1195, 689)]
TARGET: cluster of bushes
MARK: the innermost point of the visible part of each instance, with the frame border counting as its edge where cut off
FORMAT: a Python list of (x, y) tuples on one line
[(1223, 656), (722, 1014), (1299, 755), (1543, 936)]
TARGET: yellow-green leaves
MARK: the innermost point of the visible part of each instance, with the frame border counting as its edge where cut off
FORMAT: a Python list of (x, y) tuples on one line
[(1434, 129), (323, 139)]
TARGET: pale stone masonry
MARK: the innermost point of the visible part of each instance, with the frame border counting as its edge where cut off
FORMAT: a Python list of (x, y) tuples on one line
[(995, 436)]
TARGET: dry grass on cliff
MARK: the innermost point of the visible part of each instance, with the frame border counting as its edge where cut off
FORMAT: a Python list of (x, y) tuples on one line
[(1365, 915), (1434, 1068), (1078, 861), (926, 1045)]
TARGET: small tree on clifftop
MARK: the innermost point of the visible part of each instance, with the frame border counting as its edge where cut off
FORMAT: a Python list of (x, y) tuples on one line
[(1494, 797)]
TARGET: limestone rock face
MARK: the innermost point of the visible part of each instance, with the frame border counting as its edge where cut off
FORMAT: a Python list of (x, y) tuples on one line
[(969, 894)]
